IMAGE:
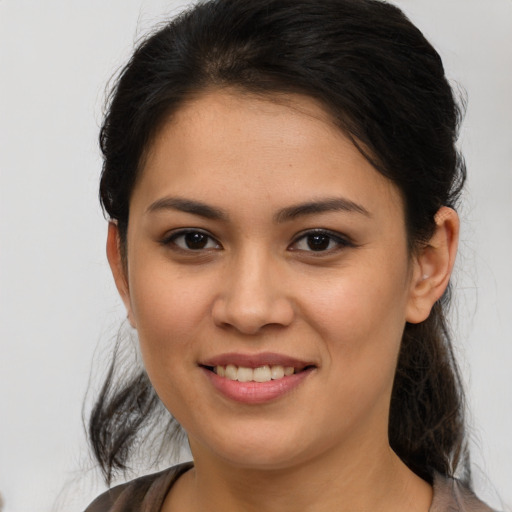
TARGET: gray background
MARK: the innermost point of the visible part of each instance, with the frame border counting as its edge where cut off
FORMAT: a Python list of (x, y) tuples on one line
[(57, 302)]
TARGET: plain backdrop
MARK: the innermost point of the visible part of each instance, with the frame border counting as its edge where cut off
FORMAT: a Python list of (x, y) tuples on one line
[(57, 300)]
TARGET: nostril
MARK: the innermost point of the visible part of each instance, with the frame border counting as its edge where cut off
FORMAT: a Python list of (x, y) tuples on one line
[(249, 315)]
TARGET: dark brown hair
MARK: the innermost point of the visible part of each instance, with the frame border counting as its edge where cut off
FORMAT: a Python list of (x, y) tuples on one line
[(385, 87)]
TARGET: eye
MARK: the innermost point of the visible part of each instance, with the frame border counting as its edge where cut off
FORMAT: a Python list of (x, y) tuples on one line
[(319, 240), (192, 240)]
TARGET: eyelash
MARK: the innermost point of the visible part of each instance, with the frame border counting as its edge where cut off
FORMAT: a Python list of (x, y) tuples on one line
[(322, 235), (171, 239), (331, 236)]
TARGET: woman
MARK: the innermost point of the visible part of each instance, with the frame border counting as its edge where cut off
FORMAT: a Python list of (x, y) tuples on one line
[(280, 178)]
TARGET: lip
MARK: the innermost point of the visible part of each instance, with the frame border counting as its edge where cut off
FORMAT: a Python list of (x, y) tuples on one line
[(254, 393), (256, 360)]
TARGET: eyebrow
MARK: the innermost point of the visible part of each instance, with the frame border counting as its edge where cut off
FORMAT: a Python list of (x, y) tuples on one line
[(289, 213), (188, 206), (334, 204)]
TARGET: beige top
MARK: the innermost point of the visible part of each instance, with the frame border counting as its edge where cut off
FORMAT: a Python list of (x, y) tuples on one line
[(147, 494)]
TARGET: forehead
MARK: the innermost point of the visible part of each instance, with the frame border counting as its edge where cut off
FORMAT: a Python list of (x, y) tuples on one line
[(263, 148)]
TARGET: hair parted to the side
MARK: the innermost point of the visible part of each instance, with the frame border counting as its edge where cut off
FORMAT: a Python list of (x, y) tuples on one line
[(384, 86)]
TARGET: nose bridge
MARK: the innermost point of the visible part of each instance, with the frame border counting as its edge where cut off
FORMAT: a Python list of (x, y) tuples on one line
[(253, 294)]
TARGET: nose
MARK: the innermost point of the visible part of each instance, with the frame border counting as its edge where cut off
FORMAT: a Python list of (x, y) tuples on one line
[(253, 296)]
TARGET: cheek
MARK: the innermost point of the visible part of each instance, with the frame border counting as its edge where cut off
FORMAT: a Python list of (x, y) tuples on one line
[(170, 312), (359, 303), (361, 325), (361, 315)]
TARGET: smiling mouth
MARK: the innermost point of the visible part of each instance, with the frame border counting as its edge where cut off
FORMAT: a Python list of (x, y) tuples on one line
[(265, 373)]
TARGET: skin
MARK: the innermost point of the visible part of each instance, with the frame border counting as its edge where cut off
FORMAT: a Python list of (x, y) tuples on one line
[(257, 286)]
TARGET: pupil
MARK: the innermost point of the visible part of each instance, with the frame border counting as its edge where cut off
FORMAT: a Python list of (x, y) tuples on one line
[(318, 242), (196, 240)]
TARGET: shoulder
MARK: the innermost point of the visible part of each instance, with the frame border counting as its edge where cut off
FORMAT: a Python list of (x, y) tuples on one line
[(146, 493), (450, 495)]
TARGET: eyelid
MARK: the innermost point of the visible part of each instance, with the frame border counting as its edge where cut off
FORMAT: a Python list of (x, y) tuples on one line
[(168, 240), (341, 240)]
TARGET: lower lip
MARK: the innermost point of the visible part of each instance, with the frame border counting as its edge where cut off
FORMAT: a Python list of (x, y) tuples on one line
[(256, 392)]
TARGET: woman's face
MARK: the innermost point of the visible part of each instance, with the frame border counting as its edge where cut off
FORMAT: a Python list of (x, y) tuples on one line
[(259, 237)]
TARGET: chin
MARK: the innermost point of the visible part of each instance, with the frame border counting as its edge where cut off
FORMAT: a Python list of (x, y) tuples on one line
[(263, 459), (268, 448)]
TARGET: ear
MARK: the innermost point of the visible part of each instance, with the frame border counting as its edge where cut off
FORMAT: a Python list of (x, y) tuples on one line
[(433, 266), (119, 268)]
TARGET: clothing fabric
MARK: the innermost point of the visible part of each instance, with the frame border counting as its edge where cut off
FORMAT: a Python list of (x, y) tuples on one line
[(147, 494)]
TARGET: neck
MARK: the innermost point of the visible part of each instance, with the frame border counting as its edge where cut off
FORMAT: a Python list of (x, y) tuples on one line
[(376, 481)]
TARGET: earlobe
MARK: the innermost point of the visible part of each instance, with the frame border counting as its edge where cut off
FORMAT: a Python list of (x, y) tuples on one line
[(433, 266), (118, 268)]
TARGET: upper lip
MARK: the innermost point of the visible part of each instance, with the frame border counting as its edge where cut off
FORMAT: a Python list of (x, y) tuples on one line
[(256, 360)]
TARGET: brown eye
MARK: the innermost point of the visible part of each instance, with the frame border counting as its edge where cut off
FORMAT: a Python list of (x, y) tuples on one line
[(192, 240), (195, 240), (320, 240)]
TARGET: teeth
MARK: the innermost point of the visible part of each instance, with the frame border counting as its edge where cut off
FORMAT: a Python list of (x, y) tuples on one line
[(262, 374), (277, 372), (244, 374), (231, 372)]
